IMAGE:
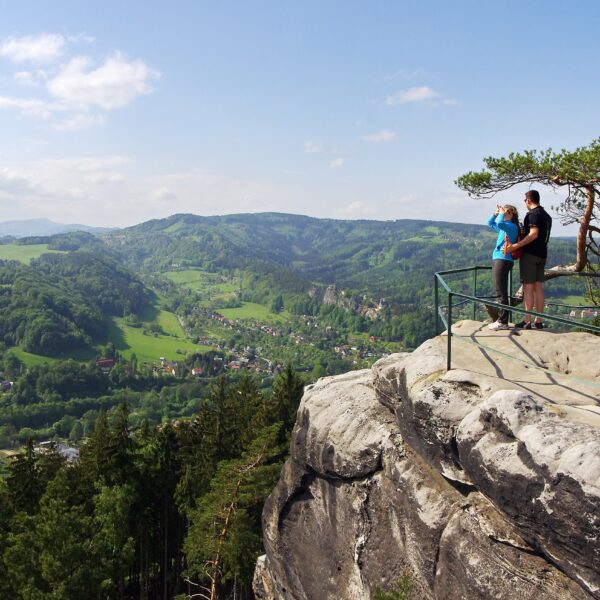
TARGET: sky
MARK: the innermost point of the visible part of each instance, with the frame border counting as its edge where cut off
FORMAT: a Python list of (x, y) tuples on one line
[(114, 113)]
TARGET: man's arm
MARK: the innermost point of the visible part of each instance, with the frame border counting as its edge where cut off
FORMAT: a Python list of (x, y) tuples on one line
[(532, 235)]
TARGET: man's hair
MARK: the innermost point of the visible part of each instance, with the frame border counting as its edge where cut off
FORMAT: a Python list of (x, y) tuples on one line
[(533, 196)]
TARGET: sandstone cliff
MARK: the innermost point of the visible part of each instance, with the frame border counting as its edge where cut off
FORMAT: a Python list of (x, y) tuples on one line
[(480, 482)]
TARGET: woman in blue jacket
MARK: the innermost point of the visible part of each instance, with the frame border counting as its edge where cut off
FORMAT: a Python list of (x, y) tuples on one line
[(505, 221)]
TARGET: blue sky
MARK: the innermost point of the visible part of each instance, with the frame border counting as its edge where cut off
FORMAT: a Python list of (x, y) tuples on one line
[(116, 113)]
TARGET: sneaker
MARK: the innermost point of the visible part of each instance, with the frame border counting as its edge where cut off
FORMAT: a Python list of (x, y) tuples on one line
[(523, 325), (497, 325), (540, 325)]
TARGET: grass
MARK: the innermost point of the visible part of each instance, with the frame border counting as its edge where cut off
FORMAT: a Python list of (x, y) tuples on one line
[(149, 348), (31, 360), (24, 254), (571, 300), (175, 227), (189, 278), (194, 279), (252, 311), (129, 340), (168, 321)]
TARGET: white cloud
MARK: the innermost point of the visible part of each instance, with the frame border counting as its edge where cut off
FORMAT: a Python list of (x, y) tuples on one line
[(13, 182), (312, 147), (30, 107), (114, 84), (164, 194), (83, 173), (43, 48), (107, 190), (31, 78), (81, 37), (106, 177), (72, 89), (25, 78), (380, 137), (79, 122), (337, 163), (413, 94)]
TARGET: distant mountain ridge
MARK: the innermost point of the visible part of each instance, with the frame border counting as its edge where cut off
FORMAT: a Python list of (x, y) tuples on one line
[(44, 227), (288, 253)]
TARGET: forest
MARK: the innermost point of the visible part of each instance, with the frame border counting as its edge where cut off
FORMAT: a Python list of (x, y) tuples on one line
[(149, 512), (174, 464), (60, 301)]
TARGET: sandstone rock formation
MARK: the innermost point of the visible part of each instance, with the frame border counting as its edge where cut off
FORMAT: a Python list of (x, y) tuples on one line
[(481, 482)]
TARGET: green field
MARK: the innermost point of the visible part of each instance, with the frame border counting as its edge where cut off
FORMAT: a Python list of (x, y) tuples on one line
[(175, 227), (570, 300), (31, 360), (256, 312), (23, 254), (190, 279), (149, 348), (194, 279), (168, 321), (129, 340)]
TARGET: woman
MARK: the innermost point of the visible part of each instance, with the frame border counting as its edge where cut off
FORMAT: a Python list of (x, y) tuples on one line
[(505, 221)]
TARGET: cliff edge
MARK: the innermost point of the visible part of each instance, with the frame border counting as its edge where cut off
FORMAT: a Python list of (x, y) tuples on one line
[(480, 482)]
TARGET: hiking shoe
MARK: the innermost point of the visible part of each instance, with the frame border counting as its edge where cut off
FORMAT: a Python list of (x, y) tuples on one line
[(523, 325), (497, 325), (540, 325)]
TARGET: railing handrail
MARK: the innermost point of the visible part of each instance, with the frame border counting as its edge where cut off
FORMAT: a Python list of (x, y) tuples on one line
[(438, 279)]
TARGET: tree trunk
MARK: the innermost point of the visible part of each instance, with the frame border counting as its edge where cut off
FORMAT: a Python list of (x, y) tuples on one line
[(583, 231), (166, 552)]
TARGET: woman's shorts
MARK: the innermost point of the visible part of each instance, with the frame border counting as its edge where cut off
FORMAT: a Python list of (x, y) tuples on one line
[(532, 268)]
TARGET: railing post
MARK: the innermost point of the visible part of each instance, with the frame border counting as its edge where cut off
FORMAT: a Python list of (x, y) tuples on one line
[(449, 352), (436, 302), (474, 293), (510, 288)]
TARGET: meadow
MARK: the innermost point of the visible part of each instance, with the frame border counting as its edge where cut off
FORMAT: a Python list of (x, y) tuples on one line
[(24, 254), (128, 340), (31, 360), (149, 348), (196, 280), (256, 312)]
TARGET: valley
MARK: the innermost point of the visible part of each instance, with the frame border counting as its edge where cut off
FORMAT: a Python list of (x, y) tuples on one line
[(145, 371), (184, 299)]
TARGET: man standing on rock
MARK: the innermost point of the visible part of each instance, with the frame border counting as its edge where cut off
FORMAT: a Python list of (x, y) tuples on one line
[(536, 229)]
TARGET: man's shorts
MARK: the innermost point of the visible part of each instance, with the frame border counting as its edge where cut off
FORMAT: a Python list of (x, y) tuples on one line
[(532, 268)]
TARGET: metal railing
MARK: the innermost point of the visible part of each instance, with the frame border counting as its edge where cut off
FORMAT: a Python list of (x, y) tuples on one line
[(464, 298)]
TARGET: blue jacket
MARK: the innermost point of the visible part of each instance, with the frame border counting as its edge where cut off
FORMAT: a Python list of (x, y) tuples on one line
[(497, 223)]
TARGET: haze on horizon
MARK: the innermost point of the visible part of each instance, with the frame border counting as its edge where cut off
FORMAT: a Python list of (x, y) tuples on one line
[(113, 115)]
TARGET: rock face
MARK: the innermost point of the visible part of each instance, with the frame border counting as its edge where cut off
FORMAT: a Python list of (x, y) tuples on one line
[(480, 482)]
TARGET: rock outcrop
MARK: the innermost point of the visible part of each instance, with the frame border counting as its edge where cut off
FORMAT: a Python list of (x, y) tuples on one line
[(480, 482)]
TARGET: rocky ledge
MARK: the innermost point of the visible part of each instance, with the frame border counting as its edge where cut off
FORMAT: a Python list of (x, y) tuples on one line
[(479, 482)]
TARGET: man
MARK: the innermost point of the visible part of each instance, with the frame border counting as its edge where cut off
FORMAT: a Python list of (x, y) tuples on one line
[(536, 231)]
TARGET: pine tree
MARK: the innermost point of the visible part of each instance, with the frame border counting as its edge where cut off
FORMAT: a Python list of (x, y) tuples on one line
[(6, 514), (287, 393), (115, 545), (24, 483), (224, 541)]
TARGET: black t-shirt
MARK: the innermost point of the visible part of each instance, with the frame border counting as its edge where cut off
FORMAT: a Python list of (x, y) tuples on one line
[(539, 218)]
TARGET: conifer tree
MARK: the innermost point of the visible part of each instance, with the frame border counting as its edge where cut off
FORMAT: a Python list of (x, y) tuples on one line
[(24, 483), (115, 545), (287, 393), (6, 513), (224, 541)]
